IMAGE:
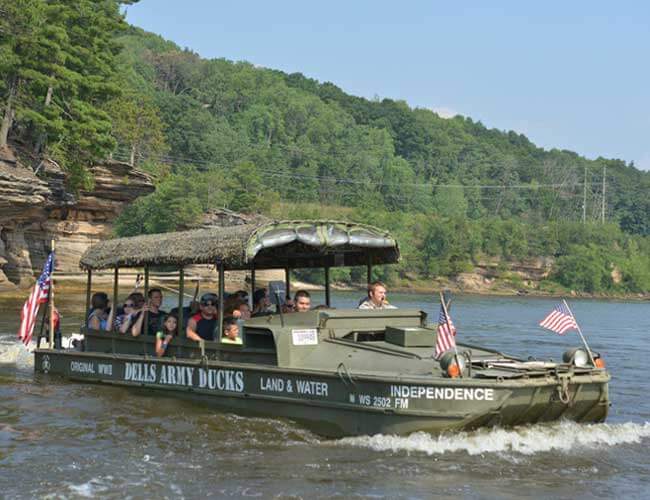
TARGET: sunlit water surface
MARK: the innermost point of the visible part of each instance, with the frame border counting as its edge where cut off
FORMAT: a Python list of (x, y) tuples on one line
[(61, 439)]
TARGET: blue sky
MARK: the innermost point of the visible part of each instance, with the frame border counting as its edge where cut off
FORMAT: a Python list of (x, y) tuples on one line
[(570, 75)]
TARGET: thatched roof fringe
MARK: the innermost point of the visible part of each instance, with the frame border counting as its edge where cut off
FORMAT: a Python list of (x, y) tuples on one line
[(267, 245)]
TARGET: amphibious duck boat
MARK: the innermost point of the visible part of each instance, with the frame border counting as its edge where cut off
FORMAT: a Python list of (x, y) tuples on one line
[(339, 372)]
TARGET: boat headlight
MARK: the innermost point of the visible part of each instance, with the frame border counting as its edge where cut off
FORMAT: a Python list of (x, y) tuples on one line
[(577, 357), (451, 364)]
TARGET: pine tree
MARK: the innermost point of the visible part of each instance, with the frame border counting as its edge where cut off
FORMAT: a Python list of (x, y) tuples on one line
[(61, 70)]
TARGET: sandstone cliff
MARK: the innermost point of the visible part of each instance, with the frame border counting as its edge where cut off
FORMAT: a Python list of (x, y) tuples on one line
[(35, 208)]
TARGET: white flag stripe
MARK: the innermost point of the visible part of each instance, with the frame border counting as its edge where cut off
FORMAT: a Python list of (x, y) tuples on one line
[(36, 298), (446, 331), (560, 320)]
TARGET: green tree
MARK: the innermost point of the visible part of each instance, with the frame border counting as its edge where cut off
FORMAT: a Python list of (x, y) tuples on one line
[(173, 205), (248, 192), (61, 69), (585, 268), (137, 125)]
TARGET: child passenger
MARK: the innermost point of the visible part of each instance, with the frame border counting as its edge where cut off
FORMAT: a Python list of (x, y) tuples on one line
[(231, 331), (166, 334)]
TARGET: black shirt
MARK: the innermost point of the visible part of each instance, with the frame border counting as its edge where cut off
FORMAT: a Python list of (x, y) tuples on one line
[(155, 321)]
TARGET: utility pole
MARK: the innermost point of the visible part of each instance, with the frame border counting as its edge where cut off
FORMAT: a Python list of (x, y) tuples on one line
[(602, 210), (584, 198)]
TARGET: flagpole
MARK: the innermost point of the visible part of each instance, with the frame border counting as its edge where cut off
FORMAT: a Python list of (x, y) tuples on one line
[(43, 316), (584, 341), (444, 308), (51, 299)]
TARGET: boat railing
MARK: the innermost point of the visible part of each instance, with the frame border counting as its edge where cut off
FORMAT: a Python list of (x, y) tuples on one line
[(253, 350)]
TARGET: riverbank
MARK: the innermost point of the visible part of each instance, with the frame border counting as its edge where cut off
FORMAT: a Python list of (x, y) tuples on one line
[(497, 288)]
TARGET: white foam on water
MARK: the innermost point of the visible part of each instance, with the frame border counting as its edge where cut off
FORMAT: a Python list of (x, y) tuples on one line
[(563, 437), (13, 352), (90, 489)]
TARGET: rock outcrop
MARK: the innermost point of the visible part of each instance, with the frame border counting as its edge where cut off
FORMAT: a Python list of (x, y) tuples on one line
[(36, 208)]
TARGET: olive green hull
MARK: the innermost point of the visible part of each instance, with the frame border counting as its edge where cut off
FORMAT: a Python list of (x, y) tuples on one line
[(338, 404)]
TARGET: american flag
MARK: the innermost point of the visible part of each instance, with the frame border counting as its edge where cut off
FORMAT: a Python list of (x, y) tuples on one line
[(560, 320), (36, 298), (446, 333)]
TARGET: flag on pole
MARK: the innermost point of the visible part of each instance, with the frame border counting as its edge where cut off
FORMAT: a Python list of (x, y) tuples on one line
[(446, 333), (560, 320), (36, 298)]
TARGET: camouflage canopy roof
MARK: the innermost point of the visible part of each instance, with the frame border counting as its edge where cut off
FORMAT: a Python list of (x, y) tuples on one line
[(269, 245)]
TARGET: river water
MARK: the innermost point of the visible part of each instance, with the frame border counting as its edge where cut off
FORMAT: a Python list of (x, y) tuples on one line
[(66, 440)]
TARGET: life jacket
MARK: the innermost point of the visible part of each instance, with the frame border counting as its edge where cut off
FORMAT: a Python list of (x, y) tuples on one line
[(205, 327)]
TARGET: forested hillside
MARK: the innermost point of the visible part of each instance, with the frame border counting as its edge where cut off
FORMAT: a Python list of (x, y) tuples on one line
[(79, 84)]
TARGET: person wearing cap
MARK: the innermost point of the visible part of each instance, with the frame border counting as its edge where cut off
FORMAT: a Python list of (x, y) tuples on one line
[(202, 325)]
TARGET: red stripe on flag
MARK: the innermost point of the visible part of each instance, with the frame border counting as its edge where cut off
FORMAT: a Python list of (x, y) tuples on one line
[(445, 339), (28, 315)]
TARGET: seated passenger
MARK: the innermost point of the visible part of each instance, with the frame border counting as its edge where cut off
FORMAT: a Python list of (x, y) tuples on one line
[(231, 331), (236, 308), (188, 312), (130, 308), (154, 314), (245, 311), (202, 325), (231, 306), (302, 301), (289, 306), (376, 297), (261, 302), (98, 317), (166, 334)]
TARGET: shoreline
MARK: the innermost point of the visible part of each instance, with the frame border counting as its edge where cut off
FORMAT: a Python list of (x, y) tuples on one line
[(496, 289)]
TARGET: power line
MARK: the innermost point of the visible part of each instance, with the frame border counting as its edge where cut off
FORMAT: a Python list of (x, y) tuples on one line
[(201, 164)]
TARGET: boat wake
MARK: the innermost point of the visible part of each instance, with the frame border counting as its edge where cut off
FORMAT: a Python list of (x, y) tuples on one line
[(563, 437), (13, 352)]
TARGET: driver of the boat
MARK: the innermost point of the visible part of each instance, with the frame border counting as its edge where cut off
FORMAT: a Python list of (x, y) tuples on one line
[(202, 325), (376, 297), (302, 301)]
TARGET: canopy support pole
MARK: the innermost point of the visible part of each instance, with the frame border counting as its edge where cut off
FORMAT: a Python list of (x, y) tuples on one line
[(250, 296), (287, 275), (181, 292), (327, 286), (144, 332), (88, 292), (113, 315), (222, 290), (369, 270)]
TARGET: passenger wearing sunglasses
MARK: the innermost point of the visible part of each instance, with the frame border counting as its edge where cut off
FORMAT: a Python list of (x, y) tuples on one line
[(132, 305), (203, 325)]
